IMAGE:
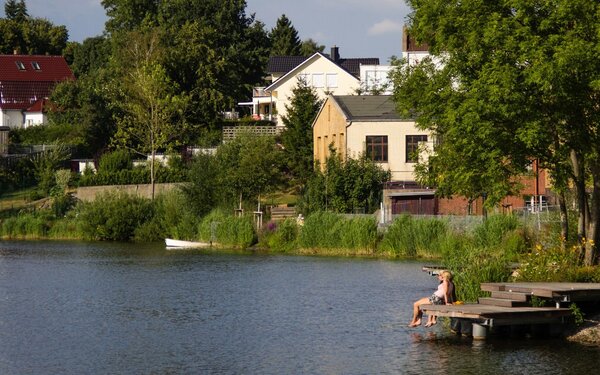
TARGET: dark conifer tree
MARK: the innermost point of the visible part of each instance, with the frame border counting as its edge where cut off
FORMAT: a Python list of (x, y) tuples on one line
[(284, 38)]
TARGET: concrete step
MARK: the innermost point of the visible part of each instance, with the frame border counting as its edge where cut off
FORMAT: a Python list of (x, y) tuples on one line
[(502, 302), (517, 296)]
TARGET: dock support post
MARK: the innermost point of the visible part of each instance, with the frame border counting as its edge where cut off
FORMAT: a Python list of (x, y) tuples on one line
[(479, 331)]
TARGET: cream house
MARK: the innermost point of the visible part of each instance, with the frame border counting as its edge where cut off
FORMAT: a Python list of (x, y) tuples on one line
[(327, 74), (369, 124)]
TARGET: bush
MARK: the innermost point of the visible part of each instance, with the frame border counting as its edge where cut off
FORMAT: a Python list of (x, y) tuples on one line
[(551, 264), (114, 216), (281, 236), (115, 161)]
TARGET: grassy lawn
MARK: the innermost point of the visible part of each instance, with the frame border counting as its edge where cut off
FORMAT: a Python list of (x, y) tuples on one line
[(16, 199), (280, 198)]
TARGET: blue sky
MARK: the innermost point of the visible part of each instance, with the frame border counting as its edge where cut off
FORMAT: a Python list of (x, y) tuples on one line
[(360, 28)]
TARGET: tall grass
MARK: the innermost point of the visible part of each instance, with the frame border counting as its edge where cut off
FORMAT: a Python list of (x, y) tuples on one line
[(484, 256), (227, 230), (25, 226), (326, 230), (409, 237)]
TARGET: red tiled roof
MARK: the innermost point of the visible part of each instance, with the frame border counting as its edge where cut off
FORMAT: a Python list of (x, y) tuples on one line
[(41, 105), (52, 68), (26, 79)]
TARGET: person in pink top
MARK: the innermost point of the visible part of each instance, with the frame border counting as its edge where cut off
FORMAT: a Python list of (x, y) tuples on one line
[(443, 295)]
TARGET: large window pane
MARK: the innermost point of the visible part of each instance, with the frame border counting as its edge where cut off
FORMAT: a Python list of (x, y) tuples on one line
[(377, 147)]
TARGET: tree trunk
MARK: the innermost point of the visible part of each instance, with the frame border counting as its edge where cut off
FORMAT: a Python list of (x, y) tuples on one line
[(593, 233), (564, 220), (579, 177)]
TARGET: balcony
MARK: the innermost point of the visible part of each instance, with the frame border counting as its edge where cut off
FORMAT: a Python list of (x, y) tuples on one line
[(260, 92)]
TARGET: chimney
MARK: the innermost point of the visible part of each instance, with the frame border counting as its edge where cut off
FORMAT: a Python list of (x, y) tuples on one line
[(335, 54)]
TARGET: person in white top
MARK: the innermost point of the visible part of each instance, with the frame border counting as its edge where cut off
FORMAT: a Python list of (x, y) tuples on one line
[(443, 295)]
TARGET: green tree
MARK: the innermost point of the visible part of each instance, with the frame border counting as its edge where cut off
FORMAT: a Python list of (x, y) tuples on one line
[(284, 38), (203, 191), (26, 35), (153, 112), (519, 83), (349, 186), (249, 166), (309, 47), (86, 106), (297, 138), (210, 48), (16, 11)]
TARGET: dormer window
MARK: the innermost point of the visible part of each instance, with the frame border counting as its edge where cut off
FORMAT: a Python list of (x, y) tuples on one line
[(35, 65), (20, 65)]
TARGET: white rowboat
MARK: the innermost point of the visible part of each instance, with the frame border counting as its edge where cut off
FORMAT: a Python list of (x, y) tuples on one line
[(180, 244)]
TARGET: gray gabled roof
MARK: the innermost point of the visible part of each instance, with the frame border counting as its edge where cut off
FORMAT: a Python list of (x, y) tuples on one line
[(284, 64), (368, 107)]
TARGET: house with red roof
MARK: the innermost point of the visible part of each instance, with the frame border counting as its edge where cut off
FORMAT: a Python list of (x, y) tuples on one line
[(26, 82)]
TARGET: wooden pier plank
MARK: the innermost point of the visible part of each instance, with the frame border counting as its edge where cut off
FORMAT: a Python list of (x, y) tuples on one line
[(504, 302), (500, 315), (512, 295)]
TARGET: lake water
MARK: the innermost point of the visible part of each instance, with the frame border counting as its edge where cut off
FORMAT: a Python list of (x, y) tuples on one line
[(101, 308)]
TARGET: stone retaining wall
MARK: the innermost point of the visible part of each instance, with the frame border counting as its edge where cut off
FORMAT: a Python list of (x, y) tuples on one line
[(89, 193)]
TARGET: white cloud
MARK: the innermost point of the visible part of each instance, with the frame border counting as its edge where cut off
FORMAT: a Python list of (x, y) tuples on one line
[(385, 27)]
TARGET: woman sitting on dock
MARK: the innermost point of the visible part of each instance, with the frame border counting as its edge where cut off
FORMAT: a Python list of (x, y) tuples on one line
[(444, 294)]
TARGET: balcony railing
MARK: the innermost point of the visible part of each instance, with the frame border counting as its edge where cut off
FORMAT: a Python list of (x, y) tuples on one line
[(260, 92)]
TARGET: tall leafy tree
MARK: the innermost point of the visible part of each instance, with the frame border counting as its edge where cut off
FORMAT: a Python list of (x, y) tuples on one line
[(520, 82), (211, 49), (309, 47), (26, 35), (349, 186), (250, 166), (284, 38), (297, 138), (152, 106)]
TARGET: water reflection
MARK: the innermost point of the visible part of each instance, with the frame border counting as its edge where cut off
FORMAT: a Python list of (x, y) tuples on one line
[(75, 308)]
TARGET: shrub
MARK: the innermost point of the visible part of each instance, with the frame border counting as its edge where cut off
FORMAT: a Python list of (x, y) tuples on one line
[(114, 216), (115, 161), (281, 236), (550, 264)]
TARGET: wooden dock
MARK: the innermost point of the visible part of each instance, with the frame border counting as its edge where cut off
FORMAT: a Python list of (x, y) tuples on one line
[(510, 304)]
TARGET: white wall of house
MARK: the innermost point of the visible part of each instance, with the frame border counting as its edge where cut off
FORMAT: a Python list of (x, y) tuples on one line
[(376, 77), (34, 118), (396, 131), (319, 72), (11, 118)]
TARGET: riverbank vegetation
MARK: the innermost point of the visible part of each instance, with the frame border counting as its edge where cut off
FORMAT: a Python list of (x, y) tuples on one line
[(496, 249)]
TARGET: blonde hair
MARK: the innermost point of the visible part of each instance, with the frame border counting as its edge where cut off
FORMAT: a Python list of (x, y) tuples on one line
[(446, 275)]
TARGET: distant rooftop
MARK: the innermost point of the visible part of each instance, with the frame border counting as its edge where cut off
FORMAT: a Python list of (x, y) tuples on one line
[(368, 107), (284, 64)]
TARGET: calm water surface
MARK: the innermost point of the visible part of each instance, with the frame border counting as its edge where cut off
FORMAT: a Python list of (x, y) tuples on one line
[(80, 308)]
